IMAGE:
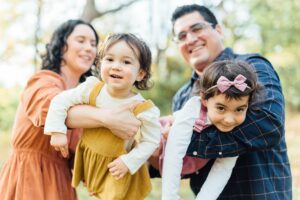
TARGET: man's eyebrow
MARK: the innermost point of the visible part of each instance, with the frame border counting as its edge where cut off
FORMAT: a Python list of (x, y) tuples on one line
[(190, 27)]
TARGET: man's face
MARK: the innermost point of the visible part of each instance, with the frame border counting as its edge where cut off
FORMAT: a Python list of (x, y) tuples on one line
[(199, 47)]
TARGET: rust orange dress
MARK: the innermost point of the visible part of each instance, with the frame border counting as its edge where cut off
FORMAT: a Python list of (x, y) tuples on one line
[(35, 170)]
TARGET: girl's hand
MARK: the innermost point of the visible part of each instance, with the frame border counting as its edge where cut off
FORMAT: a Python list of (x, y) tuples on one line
[(60, 143), (117, 168)]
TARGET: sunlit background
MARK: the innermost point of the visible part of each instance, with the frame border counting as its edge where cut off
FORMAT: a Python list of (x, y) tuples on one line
[(269, 27)]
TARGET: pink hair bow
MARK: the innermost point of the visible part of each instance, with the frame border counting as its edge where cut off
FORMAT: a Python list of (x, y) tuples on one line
[(239, 82)]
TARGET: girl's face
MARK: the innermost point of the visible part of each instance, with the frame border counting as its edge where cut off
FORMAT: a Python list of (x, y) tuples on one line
[(226, 113), (120, 68), (80, 51)]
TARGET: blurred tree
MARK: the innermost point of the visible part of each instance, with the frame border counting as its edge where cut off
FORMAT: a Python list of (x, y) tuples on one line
[(279, 30), (90, 11), (8, 104)]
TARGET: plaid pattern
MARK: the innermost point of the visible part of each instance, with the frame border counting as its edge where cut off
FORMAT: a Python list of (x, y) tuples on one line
[(262, 171)]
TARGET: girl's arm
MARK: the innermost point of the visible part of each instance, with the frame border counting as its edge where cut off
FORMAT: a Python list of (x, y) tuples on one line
[(177, 144), (148, 142), (119, 120), (217, 178)]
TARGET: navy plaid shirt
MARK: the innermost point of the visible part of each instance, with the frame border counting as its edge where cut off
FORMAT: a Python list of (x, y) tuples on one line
[(262, 171)]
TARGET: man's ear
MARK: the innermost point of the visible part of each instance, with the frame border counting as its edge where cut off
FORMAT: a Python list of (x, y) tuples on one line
[(219, 29), (141, 75)]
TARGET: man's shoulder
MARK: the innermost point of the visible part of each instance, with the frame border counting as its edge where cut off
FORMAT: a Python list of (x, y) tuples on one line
[(181, 96), (183, 90), (252, 58)]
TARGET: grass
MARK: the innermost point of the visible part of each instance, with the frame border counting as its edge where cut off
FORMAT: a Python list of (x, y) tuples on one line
[(293, 143)]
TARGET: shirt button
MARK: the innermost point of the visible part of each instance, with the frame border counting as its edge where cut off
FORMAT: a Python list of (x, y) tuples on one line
[(195, 153), (197, 172), (220, 153)]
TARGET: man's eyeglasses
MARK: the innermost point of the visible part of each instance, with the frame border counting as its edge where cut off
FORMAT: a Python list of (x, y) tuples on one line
[(195, 30)]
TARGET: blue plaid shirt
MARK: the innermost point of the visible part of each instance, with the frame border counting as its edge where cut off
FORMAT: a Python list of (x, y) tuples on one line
[(262, 171)]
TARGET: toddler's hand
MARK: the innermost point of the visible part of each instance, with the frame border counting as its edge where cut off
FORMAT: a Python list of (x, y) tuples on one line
[(60, 143), (117, 168)]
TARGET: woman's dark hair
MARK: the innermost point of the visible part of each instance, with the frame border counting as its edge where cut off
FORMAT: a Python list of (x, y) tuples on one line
[(230, 69), (52, 59), (139, 48)]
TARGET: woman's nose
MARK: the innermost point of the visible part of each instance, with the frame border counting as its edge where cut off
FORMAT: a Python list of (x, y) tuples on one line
[(88, 46)]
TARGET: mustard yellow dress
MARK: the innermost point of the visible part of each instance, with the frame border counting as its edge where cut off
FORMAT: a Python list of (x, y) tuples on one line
[(96, 149)]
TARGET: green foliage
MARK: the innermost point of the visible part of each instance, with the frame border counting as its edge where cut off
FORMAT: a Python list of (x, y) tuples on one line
[(278, 22), (290, 83), (8, 104), (166, 84)]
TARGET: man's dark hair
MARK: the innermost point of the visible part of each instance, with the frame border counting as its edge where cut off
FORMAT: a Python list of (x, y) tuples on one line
[(202, 10)]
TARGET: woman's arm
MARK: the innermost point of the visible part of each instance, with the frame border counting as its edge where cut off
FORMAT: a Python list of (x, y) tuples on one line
[(120, 120)]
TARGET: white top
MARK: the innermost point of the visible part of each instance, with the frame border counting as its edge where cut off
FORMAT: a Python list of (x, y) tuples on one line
[(150, 128), (178, 141)]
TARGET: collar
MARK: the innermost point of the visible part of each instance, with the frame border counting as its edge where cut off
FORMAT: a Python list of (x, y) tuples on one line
[(226, 54)]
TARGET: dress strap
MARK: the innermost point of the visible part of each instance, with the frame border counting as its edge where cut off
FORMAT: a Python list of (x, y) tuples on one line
[(142, 107), (94, 93), (200, 123)]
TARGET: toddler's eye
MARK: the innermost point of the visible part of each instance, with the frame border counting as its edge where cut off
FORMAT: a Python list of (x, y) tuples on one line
[(109, 59), (220, 108), (241, 109)]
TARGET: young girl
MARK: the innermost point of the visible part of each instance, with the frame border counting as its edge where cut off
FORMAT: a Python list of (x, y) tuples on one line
[(227, 89), (103, 160)]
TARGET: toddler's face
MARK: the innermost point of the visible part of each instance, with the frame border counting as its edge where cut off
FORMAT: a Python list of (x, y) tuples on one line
[(120, 68), (225, 113)]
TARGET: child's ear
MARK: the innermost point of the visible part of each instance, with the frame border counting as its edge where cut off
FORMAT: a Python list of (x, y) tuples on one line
[(140, 75), (203, 100)]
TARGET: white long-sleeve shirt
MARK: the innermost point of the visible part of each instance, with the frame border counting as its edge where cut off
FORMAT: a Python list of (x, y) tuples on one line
[(150, 128), (178, 140)]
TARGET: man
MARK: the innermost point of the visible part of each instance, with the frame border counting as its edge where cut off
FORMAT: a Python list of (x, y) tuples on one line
[(262, 170)]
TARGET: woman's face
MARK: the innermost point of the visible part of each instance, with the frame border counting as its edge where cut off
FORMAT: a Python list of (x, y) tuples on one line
[(80, 51)]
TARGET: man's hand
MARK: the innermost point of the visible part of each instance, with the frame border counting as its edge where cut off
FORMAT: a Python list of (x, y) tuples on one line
[(60, 143), (117, 168), (165, 125)]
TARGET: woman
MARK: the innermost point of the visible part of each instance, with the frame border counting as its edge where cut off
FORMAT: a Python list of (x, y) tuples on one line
[(35, 170)]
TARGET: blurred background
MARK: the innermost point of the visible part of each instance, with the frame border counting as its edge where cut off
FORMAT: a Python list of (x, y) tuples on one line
[(268, 27)]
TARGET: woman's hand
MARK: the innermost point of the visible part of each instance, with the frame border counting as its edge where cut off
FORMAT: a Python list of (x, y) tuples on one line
[(120, 120)]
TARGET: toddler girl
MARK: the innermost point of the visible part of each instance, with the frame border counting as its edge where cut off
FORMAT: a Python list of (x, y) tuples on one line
[(227, 90), (103, 160)]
